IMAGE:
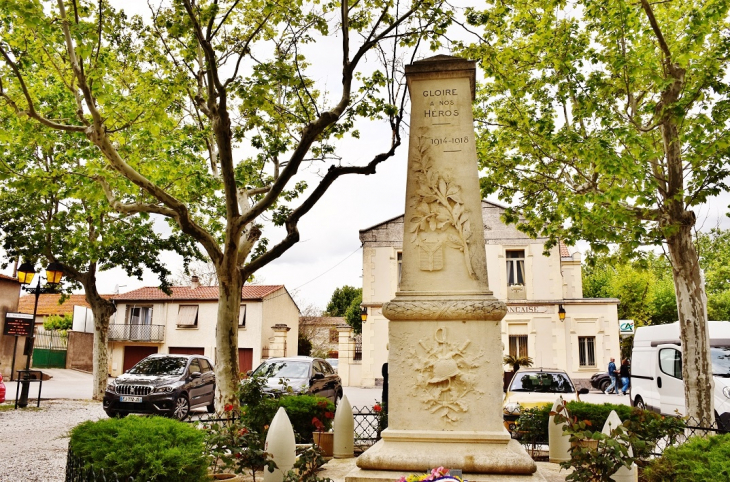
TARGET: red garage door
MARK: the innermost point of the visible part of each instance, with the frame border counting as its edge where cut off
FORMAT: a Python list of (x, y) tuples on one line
[(133, 354), (245, 359), (182, 350)]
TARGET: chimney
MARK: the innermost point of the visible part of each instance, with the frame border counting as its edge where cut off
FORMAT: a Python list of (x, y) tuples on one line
[(194, 282)]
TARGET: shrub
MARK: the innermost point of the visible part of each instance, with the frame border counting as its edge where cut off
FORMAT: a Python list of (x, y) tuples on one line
[(533, 424), (699, 459), (146, 448), (308, 414)]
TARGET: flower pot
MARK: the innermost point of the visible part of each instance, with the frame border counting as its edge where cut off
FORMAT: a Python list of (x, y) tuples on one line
[(228, 477), (589, 444), (325, 442)]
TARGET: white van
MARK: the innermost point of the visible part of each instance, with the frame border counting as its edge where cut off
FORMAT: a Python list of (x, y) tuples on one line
[(656, 369)]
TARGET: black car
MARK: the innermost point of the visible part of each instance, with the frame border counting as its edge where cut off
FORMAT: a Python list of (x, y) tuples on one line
[(601, 381), (167, 385), (303, 375)]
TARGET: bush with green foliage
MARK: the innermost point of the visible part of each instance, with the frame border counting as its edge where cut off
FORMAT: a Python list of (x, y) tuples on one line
[(699, 459), (146, 448), (58, 322)]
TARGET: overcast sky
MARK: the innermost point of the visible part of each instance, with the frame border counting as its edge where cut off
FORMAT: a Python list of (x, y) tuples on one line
[(329, 254)]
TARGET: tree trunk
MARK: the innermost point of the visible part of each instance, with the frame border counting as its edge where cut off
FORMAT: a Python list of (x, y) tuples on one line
[(229, 306), (696, 366), (102, 310)]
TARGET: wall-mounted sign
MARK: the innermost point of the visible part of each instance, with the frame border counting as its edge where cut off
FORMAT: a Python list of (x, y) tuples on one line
[(626, 327), (527, 309), (18, 324)]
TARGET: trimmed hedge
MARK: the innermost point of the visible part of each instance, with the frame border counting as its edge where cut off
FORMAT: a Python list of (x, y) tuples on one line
[(699, 459), (147, 448)]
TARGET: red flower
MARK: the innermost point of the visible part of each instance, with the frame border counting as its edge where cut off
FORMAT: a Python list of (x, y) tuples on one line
[(228, 407), (377, 408), (322, 404), (329, 415), (243, 431), (238, 456), (318, 424)]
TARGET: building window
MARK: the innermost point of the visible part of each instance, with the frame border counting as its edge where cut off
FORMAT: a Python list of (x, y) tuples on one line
[(515, 267), (518, 345), (242, 317), (187, 316), (587, 351), (334, 335), (140, 315), (399, 257)]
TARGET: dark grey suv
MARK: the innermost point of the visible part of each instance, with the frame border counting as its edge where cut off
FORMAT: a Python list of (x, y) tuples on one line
[(163, 385), (303, 374)]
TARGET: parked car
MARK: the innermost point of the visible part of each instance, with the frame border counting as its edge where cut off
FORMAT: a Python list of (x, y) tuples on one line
[(532, 387), (167, 385), (334, 362), (2, 389), (303, 375), (601, 381)]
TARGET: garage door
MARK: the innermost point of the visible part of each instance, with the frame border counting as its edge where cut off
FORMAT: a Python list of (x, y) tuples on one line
[(133, 354), (182, 350), (245, 359)]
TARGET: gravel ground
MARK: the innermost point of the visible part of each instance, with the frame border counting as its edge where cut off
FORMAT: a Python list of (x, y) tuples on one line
[(34, 441)]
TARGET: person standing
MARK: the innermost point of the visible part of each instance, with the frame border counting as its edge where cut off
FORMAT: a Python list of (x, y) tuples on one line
[(625, 374), (613, 373)]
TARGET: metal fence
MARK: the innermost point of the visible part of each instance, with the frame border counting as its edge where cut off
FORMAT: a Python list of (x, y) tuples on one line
[(693, 428), (368, 426), (136, 332)]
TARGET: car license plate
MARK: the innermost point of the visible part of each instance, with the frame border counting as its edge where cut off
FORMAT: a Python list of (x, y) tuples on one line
[(131, 399)]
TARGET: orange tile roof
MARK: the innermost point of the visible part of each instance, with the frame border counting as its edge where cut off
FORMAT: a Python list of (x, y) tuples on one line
[(48, 304), (149, 293), (564, 253)]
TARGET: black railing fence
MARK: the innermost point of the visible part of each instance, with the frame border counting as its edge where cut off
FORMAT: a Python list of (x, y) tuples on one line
[(693, 428)]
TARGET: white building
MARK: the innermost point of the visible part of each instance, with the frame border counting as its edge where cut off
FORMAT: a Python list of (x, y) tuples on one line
[(149, 321), (535, 287)]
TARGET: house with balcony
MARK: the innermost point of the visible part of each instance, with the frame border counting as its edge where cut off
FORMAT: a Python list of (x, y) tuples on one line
[(547, 317), (150, 321)]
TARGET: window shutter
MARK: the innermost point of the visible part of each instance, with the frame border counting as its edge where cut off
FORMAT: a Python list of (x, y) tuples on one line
[(187, 316)]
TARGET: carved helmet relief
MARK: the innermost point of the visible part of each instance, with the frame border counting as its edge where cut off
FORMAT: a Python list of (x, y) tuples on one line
[(445, 373), (439, 216)]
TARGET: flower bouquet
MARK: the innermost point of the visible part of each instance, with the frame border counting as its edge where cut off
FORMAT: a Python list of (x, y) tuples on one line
[(437, 474)]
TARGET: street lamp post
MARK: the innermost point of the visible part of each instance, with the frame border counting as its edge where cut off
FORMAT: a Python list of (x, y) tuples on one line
[(26, 272)]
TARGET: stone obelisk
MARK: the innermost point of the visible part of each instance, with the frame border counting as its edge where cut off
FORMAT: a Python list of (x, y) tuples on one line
[(445, 356)]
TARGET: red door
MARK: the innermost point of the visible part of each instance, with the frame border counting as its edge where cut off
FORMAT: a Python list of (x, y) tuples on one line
[(181, 350), (245, 359), (133, 354)]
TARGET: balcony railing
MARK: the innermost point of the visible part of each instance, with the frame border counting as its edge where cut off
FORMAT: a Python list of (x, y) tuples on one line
[(124, 332)]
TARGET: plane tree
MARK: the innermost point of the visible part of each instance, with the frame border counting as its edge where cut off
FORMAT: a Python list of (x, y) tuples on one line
[(52, 211), (607, 121), (237, 80)]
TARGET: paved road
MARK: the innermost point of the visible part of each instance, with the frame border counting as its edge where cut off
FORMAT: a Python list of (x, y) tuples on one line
[(75, 385)]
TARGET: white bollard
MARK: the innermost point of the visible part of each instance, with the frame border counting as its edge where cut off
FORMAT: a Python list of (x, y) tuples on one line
[(280, 446), (558, 441), (623, 474), (344, 428)]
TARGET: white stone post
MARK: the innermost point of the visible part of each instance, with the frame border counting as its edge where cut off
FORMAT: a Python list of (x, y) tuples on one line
[(344, 428), (559, 441), (280, 446), (346, 349), (277, 344), (623, 474)]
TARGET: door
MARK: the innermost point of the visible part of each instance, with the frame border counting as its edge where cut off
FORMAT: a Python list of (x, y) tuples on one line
[(245, 359), (320, 386), (196, 384), (670, 386), (133, 354)]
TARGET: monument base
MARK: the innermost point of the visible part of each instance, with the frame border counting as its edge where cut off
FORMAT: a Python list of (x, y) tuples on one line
[(472, 452), (362, 475)]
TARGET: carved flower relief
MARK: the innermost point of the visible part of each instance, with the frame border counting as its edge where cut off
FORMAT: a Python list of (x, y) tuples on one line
[(439, 217)]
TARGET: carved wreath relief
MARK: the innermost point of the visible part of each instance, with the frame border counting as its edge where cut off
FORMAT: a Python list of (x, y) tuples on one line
[(439, 219), (445, 373)]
